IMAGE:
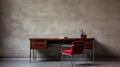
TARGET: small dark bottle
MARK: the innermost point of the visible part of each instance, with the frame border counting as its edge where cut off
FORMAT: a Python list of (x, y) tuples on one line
[(83, 34)]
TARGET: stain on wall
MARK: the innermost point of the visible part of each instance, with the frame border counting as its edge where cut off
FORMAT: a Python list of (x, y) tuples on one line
[(24, 19)]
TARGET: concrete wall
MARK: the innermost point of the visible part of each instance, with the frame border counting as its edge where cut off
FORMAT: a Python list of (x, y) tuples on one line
[(24, 19)]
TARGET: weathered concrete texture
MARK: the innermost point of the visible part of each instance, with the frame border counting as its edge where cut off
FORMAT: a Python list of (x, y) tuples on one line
[(23, 19)]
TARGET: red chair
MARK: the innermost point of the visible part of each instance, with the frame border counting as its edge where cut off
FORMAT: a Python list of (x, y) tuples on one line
[(76, 48)]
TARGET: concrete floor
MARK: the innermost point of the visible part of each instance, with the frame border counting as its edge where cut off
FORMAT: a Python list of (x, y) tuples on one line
[(22, 63)]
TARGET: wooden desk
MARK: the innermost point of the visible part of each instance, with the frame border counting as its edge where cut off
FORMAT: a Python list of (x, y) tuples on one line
[(42, 43)]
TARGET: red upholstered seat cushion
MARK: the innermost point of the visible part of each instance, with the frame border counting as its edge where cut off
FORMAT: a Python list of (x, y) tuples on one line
[(66, 52)]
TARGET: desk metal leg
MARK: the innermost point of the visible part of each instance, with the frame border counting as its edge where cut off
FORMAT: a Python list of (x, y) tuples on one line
[(90, 50), (30, 55), (93, 52), (92, 57), (33, 55)]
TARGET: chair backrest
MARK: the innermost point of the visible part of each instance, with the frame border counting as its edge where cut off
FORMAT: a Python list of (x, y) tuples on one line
[(77, 47)]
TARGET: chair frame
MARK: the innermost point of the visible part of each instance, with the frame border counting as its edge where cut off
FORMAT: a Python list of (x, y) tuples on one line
[(72, 57)]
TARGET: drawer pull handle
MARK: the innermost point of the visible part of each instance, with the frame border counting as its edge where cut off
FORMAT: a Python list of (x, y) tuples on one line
[(39, 45)]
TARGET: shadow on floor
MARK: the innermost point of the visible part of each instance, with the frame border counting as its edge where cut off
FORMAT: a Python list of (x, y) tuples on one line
[(88, 64)]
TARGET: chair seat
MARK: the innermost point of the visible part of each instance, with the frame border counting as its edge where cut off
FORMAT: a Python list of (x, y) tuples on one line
[(67, 52)]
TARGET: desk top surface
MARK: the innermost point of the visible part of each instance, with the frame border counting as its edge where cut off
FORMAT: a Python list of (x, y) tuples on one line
[(59, 38)]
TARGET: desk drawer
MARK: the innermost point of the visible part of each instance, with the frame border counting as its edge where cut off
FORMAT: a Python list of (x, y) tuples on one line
[(38, 44), (88, 44)]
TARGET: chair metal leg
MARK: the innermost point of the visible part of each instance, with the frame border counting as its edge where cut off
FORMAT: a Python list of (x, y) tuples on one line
[(92, 55), (72, 60), (90, 52), (85, 58), (61, 59), (70, 57)]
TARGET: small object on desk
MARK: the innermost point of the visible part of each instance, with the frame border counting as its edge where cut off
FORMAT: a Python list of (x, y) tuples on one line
[(83, 34), (62, 37), (65, 37)]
